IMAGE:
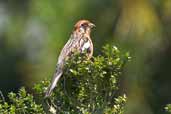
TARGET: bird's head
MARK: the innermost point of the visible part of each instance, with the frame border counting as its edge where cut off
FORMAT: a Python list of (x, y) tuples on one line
[(84, 26)]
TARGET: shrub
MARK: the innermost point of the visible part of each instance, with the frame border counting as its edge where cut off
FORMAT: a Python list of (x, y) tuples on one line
[(86, 87), (90, 86)]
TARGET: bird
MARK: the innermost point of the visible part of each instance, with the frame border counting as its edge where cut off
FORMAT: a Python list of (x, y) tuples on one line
[(79, 41)]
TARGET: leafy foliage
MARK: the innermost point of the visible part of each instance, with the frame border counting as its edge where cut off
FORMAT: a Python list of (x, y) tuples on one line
[(90, 86), (86, 87), (20, 103)]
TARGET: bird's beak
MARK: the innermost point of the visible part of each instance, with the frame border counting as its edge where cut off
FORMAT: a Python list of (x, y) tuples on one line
[(92, 25)]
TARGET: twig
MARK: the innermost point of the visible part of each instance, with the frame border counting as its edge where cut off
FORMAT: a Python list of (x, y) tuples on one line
[(2, 96)]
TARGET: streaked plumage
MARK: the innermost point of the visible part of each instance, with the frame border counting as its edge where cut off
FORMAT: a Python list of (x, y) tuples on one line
[(79, 41)]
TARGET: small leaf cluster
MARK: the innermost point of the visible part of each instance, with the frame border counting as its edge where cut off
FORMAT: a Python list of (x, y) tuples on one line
[(90, 86), (20, 103), (118, 108), (168, 108)]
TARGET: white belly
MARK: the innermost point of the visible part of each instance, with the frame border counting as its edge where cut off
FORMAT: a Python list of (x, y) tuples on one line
[(86, 46)]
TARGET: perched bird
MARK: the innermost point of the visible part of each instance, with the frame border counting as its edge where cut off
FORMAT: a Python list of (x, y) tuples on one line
[(79, 41)]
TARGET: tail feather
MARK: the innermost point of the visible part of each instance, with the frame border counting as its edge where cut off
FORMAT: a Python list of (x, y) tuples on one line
[(55, 79)]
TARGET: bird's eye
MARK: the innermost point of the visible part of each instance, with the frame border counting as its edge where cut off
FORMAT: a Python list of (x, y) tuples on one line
[(82, 25)]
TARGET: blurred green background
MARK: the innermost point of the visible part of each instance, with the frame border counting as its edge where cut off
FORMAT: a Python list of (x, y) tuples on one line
[(32, 33)]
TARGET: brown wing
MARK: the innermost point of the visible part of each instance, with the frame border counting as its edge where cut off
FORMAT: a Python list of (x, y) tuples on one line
[(70, 46), (66, 51)]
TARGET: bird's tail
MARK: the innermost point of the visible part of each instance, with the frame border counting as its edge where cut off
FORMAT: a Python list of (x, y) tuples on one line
[(54, 81)]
